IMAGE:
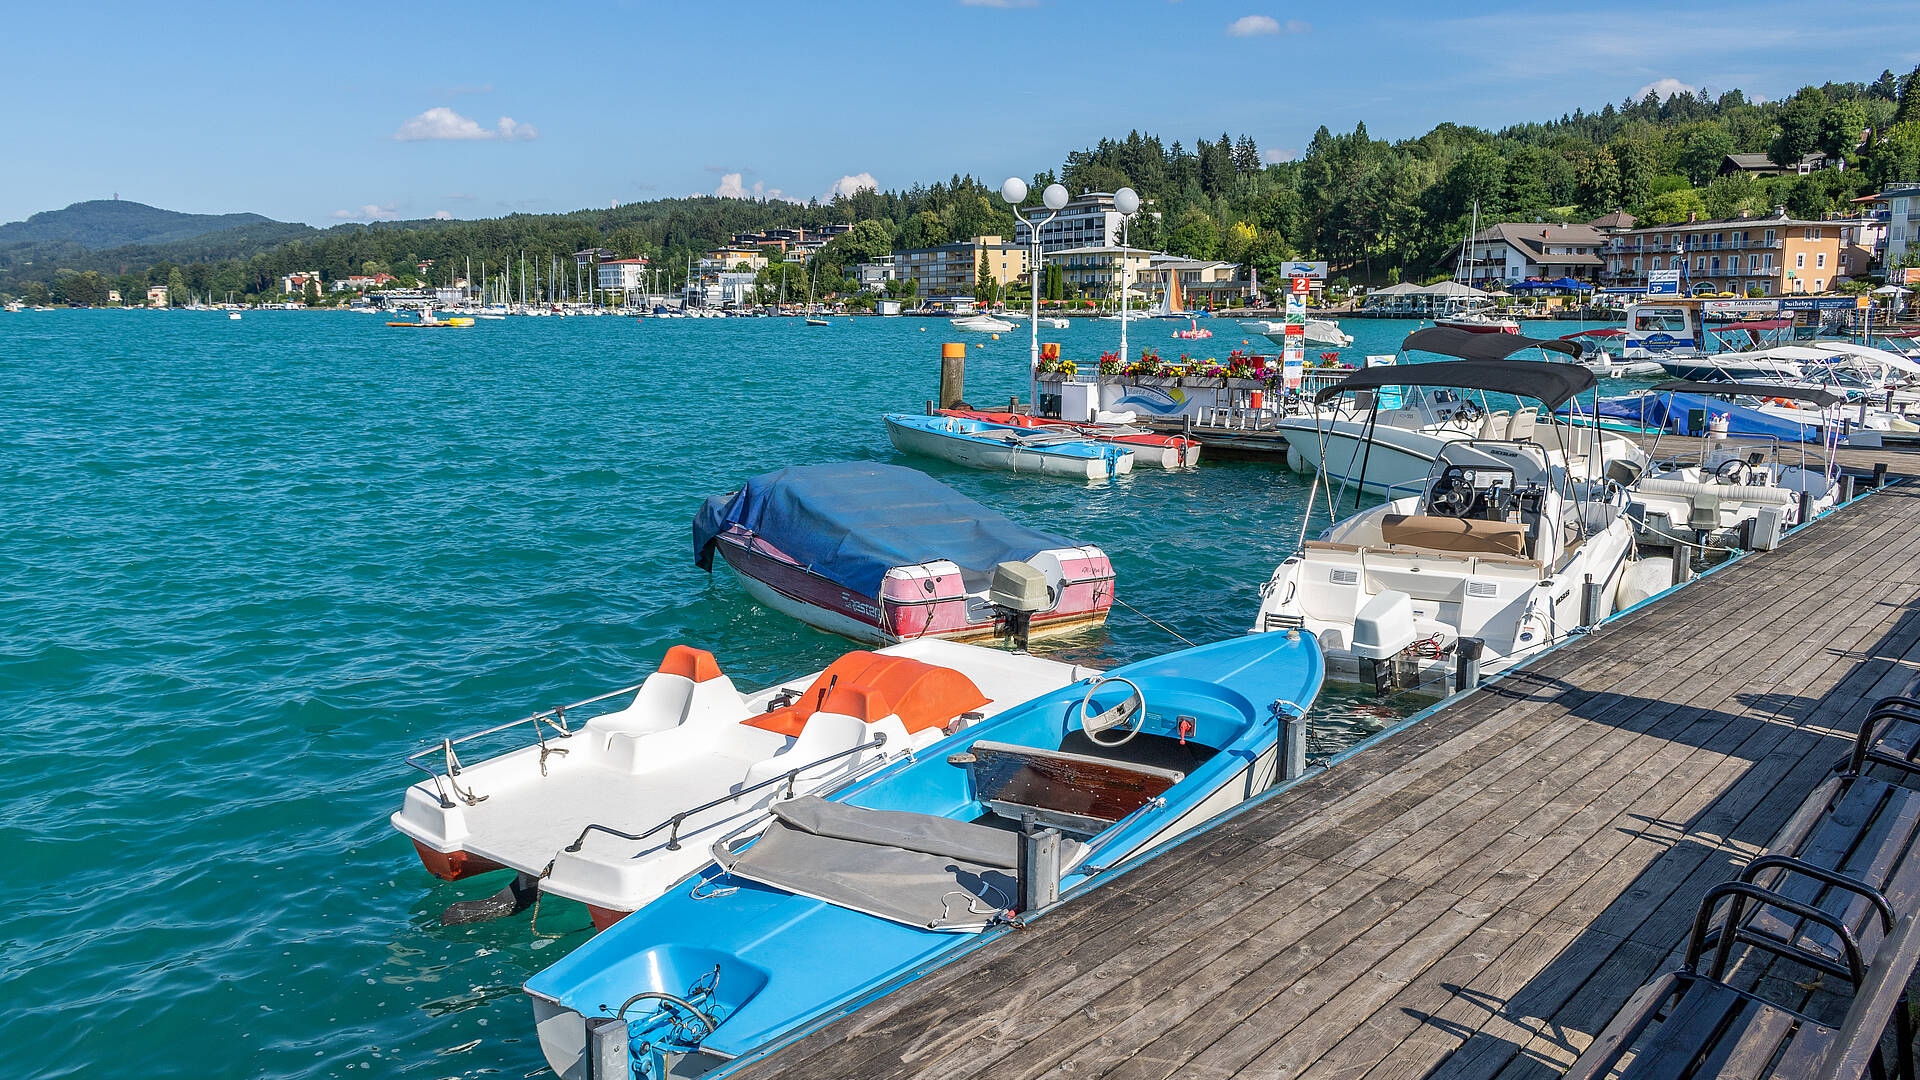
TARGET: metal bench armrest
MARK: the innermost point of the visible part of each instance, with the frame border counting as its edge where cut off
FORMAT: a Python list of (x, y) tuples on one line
[(1740, 893)]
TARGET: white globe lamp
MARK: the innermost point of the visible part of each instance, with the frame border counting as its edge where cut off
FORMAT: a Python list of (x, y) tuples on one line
[(1127, 201), (1055, 197), (1014, 190)]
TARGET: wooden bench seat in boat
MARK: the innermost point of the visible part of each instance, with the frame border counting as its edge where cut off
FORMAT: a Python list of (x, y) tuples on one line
[(1079, 792), (1455, 534)]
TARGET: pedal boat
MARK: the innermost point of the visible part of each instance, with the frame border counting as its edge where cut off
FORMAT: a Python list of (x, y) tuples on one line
[(610, 811), (844, 897)]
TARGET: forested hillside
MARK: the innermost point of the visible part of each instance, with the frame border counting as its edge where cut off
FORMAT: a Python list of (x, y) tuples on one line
[(1379, 210)]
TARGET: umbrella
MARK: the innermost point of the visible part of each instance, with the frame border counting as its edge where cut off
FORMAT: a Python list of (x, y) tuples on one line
[(1529, 285), (1569, 283)]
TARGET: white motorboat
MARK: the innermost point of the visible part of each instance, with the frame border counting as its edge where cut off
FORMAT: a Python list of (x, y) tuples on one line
[(1315, 331), (1478, 322), (979, 445), (1364, 448), (1499, 546), (1731, 494), (612, 811), (982, 324)]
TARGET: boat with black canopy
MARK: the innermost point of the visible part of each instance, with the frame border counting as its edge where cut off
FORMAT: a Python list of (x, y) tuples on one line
[(1501, 549), (1377, 441)]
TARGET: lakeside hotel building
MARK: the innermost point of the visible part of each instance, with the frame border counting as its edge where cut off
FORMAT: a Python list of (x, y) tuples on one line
[(1770, 256)]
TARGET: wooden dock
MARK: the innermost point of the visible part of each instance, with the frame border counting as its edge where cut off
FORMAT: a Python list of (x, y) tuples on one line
[(1471, 896)]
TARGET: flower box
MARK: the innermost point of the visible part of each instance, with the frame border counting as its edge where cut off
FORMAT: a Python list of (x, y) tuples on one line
[(1157, 380), (1248, 384), (1202, 383)]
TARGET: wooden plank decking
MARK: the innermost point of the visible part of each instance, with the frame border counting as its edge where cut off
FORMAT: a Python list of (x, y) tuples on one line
[(1473, 896)]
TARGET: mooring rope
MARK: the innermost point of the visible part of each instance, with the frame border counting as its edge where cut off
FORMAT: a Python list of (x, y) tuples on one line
[(1152, 620)]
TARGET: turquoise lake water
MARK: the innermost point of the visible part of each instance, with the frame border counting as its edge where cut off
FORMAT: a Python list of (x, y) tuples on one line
[(248, 566)]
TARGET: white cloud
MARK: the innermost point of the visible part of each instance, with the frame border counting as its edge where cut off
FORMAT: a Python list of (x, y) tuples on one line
[(442, 215), (849, 184), (732, 186), (1261, 25), (1664, 89), (442, 123), (1274, 155), (369, 212), (999, 3)]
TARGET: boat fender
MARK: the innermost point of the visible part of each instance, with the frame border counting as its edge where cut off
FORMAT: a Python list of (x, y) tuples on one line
[(516, 897), (1295, 461)]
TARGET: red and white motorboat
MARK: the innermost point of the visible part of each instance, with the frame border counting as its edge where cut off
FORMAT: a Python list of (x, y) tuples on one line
[(884, 554), (1149, 447)]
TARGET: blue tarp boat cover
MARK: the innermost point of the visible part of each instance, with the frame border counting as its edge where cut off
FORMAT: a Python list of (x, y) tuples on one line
[(1686, 414), (852, 521)]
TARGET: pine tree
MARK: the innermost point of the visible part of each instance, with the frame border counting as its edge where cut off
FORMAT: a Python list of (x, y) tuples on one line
[(1909, 107)]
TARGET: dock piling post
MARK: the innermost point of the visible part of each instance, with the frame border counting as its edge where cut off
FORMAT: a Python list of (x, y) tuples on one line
[(953, 373), (607, 1048), (932, 406), (1589, 602), (1293, 746), (1466, 663), (1682, 563), (1806, 506), (1879, 475), (1846, 488), (1037, 871)]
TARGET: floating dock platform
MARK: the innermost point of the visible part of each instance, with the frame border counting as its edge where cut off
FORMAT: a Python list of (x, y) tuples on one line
[(1474, 894)]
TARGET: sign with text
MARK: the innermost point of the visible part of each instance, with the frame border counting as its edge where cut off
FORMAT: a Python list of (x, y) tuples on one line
[(1306, 269), (1663, 283), (1302, 285), (1815, 303), (1293, 367), (1910, 276), (1386, 397), (1296, 307), (1742, 307)]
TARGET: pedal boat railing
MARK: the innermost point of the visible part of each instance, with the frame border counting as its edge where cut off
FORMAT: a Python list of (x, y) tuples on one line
[(549, 726)]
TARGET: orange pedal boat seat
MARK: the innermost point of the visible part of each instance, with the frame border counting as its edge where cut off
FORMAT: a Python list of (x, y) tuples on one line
[(691, 663), (869, 686)]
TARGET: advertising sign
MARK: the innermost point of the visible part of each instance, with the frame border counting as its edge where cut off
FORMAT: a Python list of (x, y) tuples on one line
[(1296, 307), (1302, 285), (1293, 367), (1317, 270), (1663, 283), (1910, 276), (1742, 307), (1815, 303), (1387, 397)]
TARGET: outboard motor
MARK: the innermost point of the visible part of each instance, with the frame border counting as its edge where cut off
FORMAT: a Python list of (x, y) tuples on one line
[(1019, 589)]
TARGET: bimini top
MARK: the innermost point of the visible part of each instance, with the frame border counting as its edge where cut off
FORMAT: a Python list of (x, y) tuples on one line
[(852, 521), (1550, 384), (1467, 345), (1813, 394)]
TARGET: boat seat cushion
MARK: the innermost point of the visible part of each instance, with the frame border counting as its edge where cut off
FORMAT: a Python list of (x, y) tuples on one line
[(1467, 535), (871, 686)]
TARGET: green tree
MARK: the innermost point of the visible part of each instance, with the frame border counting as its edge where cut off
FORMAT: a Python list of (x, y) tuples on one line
[(1908, 109), (1195, 234), (1055, 284), (176, 286), (1840, 129), (311, 294), (1800, 124), (985, 289), (1670, 207), (1703, 148)]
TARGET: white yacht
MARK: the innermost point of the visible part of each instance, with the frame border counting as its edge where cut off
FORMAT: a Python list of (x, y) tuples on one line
[(1316, 331), (1501, 545), (982, 324), (1382, 451)]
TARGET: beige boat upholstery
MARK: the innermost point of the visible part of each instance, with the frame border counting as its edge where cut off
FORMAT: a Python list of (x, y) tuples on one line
[(1494, 426), (1455, 534), (1521, 430)]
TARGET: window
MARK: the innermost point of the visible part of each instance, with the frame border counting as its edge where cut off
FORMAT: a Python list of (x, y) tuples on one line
[(1813, 234), (1819, 284), (1716, 264), (1699, 263), (1820, 261), (1800, 261), (1753, 262), (1769, 236)]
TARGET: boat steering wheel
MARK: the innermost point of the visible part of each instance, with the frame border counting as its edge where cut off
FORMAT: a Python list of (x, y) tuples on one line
[(1452, 493), (1130, 713), (1735, 470)]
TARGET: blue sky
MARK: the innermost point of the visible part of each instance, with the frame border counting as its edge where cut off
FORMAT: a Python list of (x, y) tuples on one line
[(325, 113)]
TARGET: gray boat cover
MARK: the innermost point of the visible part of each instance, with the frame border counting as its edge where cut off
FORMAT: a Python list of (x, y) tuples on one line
[(919, 869)]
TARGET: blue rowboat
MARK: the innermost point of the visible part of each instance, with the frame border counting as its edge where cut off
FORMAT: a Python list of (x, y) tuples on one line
[(989, 446), (847, 895)]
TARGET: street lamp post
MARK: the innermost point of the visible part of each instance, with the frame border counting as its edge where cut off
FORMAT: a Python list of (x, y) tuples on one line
[(1014, 191), (1127, 201)]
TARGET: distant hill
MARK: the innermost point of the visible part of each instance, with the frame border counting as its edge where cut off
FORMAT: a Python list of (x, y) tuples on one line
[(112, 223)]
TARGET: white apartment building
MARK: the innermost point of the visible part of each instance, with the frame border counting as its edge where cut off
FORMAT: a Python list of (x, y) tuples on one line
[(1903, 221), (1090, 221), (623, 275)]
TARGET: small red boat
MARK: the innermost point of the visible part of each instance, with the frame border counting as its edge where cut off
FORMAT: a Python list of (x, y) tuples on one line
[(1149, 448)]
